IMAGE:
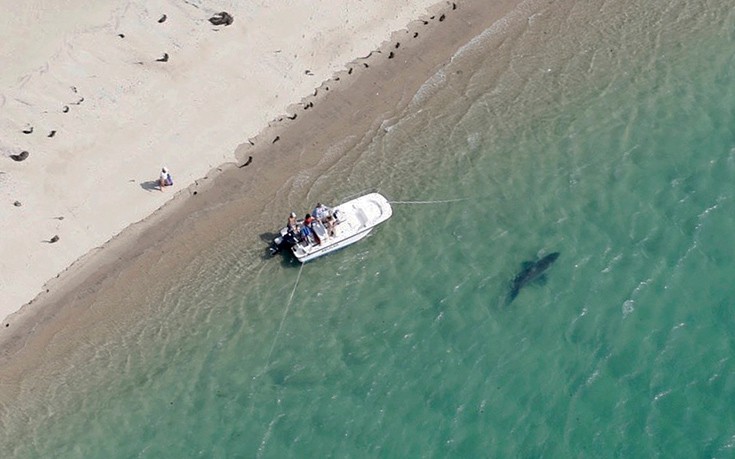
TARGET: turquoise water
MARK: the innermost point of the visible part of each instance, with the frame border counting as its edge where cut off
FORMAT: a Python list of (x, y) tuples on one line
[(606, 134)]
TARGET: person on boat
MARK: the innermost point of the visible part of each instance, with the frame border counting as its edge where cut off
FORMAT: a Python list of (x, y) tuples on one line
[(324, 215), (329, 222), (307, 235), (292, 224), (308, 222), (321, 212)]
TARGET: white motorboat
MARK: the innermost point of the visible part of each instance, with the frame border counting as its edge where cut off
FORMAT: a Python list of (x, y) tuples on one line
[(349, 223)]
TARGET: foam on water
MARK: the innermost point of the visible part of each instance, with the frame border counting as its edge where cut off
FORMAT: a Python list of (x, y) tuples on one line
[(620, 158)]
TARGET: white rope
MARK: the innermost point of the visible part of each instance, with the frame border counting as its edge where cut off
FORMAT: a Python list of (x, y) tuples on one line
[(283, 319)]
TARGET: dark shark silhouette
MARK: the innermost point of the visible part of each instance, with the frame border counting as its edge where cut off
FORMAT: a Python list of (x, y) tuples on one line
[(531, 271)]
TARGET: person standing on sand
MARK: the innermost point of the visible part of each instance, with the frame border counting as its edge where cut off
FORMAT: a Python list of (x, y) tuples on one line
[(165, 179)]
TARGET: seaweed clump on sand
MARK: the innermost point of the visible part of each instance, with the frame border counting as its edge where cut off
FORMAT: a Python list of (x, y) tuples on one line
[(222, 18)]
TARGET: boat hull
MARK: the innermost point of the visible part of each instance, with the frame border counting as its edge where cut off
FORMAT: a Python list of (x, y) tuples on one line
[(303, 255)]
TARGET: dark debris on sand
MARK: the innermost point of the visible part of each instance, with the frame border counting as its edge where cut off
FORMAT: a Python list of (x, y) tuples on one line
[(22, 156), (222, 18)]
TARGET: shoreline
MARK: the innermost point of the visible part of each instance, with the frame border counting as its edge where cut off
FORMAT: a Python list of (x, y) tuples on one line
[(106, 94), (382, 85)]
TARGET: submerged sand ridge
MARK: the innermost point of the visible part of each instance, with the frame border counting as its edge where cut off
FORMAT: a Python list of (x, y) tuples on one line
[(102, 94)]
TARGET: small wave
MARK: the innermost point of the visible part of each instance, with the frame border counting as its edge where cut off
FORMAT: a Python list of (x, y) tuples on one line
[(616, 259), (580, 315), (428, 89), (523, 13), (520, 15), (730, 443), (661, 395), (593, 377), (628, 308), (474, 140)]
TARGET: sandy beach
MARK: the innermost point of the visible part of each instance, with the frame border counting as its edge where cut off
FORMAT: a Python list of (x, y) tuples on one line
[(102, 95), (280, 95)]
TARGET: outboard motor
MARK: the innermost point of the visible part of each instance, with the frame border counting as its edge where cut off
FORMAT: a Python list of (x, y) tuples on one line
[(285, 241), (274, 248)]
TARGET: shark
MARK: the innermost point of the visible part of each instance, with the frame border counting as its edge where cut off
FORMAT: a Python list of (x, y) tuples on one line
[(531, 271)]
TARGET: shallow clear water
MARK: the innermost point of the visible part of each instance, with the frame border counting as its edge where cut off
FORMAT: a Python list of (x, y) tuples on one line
[(604, 133)]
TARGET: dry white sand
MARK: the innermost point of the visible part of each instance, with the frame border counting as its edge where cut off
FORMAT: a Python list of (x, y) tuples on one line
[(87, 71)]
